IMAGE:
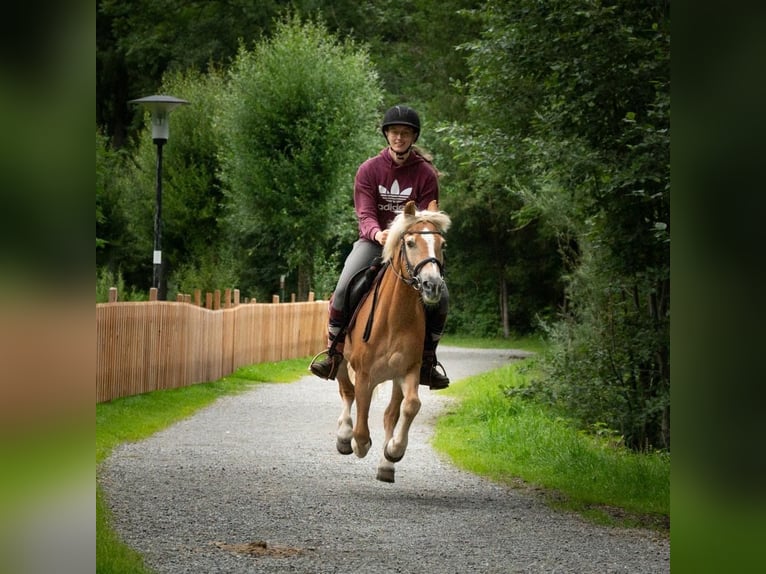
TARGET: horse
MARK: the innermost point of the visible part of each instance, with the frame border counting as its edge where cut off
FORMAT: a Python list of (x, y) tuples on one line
[(385, 341)]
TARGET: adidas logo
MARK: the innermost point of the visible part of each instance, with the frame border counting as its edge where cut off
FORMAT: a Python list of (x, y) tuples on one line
[(395, 195)]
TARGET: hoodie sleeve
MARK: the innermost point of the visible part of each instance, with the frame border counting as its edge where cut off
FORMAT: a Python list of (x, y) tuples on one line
[(366, 203)]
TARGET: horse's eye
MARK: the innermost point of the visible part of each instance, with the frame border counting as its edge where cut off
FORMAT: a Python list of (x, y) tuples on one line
[(410, 242)]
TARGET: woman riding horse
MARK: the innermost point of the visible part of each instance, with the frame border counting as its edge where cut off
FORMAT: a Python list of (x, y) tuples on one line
[(383, 184)]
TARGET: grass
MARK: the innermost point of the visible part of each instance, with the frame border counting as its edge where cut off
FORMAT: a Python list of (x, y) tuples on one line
[(518, 442), (138, 417)]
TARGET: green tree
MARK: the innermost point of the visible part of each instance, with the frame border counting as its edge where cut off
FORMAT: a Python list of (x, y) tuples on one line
[(570, 101), (296, 118), (116, 251), (140, 41)]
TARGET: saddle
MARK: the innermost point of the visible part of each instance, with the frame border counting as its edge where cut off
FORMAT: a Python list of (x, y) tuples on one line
[(365, 281)]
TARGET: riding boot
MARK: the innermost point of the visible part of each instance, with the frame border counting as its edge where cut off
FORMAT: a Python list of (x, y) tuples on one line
[(436, 317), (327, 368), (429, 375)]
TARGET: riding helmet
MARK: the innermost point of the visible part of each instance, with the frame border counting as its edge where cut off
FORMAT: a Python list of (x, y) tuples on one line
[(401, 115)]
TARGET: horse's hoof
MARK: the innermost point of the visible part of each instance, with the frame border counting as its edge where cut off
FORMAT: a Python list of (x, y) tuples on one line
[(361, 451), (343, 446), (385, 475), (390, 458)]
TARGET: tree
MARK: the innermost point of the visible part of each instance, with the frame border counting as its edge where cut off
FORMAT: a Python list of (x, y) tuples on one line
[(139, 41), (571, 105), (298, 115)]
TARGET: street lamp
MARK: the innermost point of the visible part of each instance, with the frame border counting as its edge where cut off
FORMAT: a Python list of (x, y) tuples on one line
[(160, 108)]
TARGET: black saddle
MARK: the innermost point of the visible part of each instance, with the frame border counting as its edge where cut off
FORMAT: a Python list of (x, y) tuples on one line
[(360, 286)]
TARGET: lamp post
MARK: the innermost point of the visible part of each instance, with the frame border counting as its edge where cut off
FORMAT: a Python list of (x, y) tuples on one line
[(160, 108)]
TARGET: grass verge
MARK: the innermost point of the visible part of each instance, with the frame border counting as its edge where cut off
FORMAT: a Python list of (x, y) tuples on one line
[(138, 417), (521, 443)]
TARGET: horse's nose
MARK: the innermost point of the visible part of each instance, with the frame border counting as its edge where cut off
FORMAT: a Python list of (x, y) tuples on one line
[(432, 289)]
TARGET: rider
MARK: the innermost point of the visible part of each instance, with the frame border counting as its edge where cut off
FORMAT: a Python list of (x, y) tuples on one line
[(383, 184)]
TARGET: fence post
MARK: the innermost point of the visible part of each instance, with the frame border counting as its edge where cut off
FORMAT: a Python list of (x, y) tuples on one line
[(311, 296), (217, 299), (112, 294), (236, 297), (275, 299), (152, 294), (227, 298)]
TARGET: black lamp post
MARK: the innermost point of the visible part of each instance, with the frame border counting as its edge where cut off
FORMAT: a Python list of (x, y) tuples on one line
[(160, 108)]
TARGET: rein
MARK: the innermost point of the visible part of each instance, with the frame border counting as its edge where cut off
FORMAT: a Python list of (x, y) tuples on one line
[(414, 280)]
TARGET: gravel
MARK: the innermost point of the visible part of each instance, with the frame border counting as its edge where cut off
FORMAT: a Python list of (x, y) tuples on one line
[(253, 483)]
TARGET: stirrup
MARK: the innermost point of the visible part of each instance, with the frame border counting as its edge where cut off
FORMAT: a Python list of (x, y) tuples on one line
[(328, 368)]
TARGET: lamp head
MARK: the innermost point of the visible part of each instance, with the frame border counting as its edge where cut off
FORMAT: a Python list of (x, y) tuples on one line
[(160, 108)]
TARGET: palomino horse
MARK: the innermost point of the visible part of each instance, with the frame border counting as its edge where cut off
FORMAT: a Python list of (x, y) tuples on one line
[(391, 347)]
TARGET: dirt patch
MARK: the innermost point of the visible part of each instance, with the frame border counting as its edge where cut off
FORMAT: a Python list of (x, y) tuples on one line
[(261, 548)]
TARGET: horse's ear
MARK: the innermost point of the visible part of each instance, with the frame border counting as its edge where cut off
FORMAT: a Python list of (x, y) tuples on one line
[(409, 208), (433, 206)]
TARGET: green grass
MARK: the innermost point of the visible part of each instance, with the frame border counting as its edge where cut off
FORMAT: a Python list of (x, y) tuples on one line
[(518, 442), (138, 417)]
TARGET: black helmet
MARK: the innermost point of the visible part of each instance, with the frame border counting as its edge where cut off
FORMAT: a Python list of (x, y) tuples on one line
[(401, 115)]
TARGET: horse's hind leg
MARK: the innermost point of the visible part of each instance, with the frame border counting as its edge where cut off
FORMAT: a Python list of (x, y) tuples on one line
[(345, 430)]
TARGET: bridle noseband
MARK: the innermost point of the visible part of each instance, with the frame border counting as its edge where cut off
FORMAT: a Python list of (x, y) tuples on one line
[(414, 279)]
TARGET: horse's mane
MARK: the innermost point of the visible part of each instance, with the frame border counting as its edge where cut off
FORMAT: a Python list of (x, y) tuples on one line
[(404, 221)]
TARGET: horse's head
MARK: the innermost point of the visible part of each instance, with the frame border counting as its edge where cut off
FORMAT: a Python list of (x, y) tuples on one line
[(418, 239)]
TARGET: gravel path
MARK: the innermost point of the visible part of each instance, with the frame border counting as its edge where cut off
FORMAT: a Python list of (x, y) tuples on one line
[(253, 483)]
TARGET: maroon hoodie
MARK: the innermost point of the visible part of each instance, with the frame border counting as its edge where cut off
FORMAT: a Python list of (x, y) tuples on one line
[(381, 188)]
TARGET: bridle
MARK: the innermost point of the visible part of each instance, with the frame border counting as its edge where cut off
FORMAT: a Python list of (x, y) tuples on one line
[(414, 273), (413, 280)]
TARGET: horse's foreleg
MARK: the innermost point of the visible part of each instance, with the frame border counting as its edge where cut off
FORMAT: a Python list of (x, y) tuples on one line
[(391, 416), (386, 470), (346, 390), (361, 441), (396, 446)]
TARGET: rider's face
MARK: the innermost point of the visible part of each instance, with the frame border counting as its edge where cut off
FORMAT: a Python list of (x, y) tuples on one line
[(400, 137)]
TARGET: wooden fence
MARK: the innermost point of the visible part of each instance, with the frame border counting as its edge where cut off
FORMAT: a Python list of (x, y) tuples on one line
[(146, 346)]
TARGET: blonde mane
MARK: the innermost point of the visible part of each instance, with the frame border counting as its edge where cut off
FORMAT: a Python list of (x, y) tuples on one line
[(404, 221)]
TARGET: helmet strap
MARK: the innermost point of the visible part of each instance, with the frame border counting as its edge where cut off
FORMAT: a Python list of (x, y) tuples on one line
[(402, 155)]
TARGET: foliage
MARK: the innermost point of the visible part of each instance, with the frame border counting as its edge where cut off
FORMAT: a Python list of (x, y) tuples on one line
[(106, 279), (570, 104), (509, 265), (195, 252), (294, 122), (111, 221), (140, 41)]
